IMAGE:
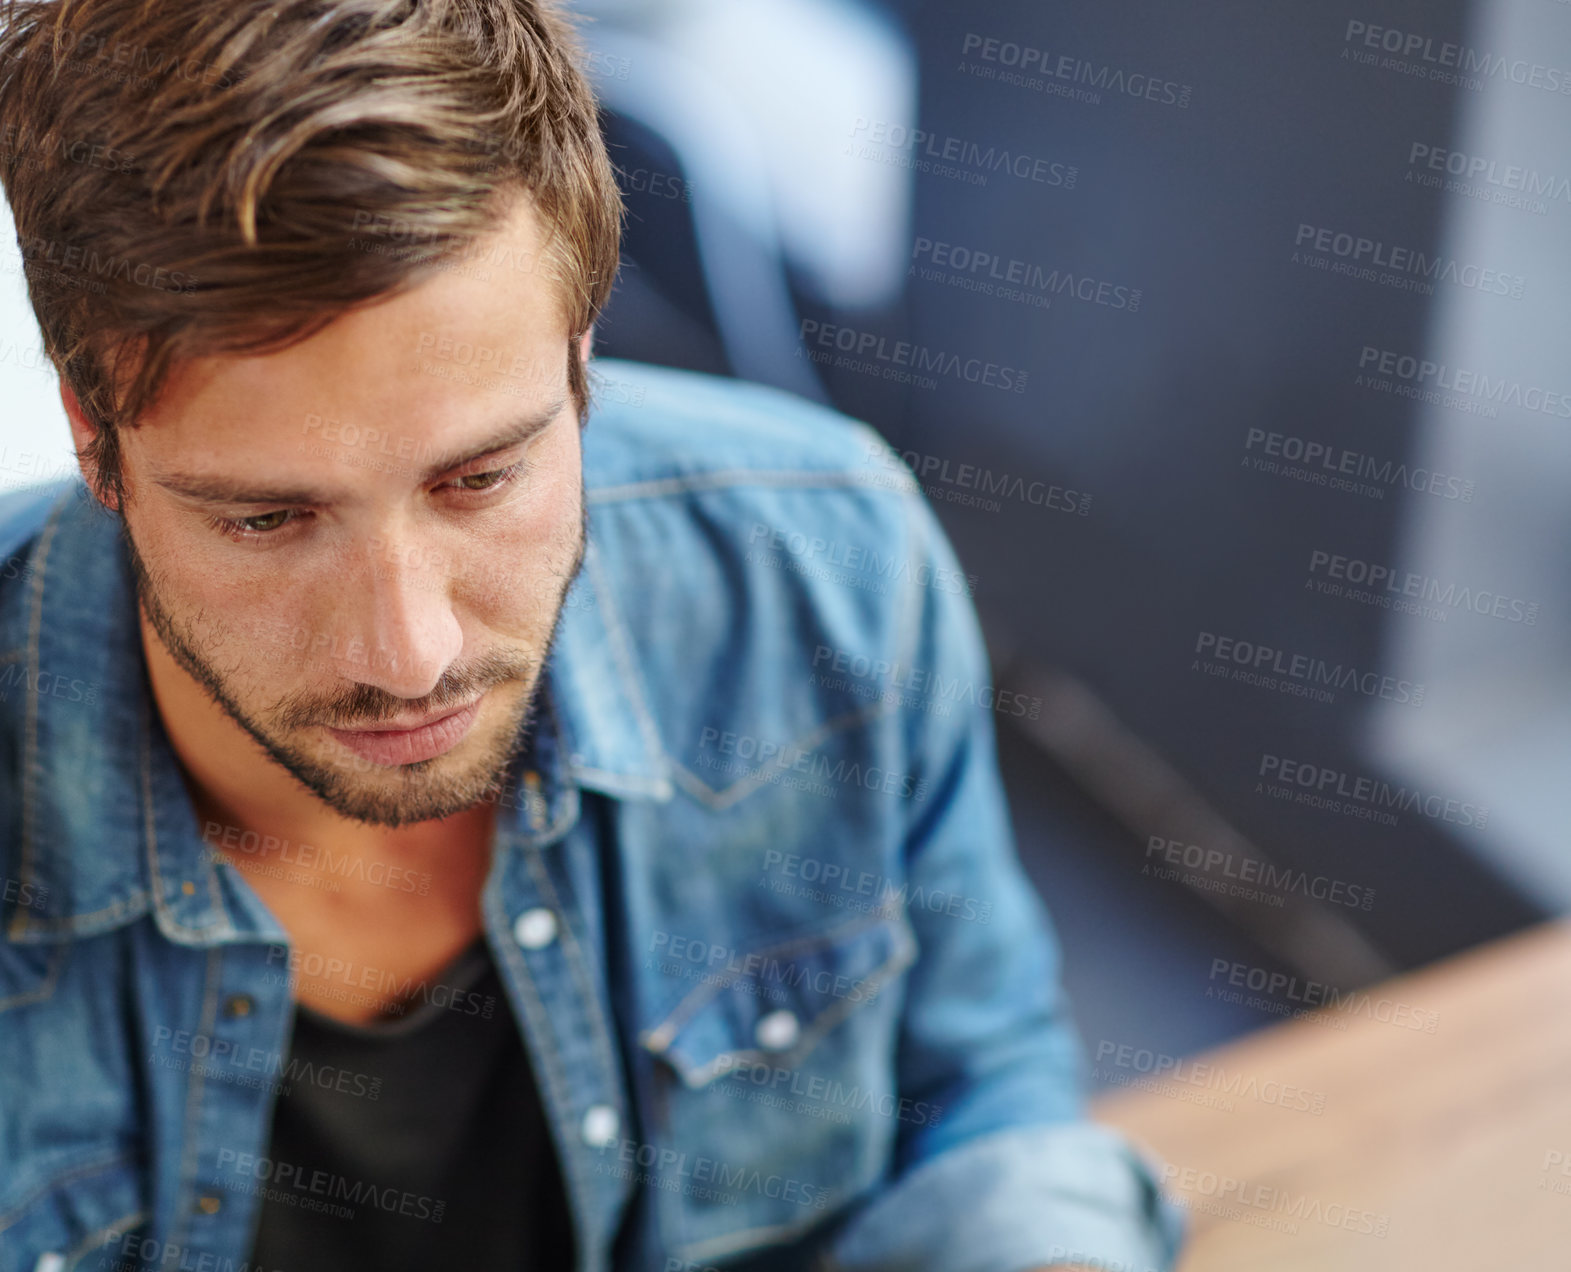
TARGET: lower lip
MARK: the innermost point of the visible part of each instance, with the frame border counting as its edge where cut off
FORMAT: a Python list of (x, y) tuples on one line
[(410, 746)]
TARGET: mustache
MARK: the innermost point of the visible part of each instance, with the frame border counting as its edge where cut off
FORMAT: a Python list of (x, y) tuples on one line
[(365, 706)]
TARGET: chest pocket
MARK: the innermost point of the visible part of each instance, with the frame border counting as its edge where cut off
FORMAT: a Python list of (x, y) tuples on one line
[(775, 1102), (85, 1219), (29, 973)]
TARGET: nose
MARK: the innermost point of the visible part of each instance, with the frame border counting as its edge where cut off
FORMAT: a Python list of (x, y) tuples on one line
[(397, 615)]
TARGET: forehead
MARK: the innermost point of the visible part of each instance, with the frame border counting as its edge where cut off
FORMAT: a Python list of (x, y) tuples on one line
[(479, 340)]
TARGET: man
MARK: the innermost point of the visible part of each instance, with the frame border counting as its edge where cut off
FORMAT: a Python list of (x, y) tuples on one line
[(436, 833)]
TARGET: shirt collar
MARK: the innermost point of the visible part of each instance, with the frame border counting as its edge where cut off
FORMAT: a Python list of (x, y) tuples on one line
[(613, 744), (107, 828)]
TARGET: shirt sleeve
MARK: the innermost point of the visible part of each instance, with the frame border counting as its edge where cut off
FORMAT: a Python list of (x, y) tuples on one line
[(1011, 1174)]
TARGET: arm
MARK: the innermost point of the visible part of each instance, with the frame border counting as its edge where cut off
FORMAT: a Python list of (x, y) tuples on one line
[(1013, 1175)]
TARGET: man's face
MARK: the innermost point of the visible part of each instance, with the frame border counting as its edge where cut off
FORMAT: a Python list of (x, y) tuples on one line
[(371, 530)]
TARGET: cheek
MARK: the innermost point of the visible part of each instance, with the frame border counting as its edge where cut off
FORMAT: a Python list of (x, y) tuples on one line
[(514, 574), (192, 578), (560, 468), (547, 514), (228, 603), (557, 515)]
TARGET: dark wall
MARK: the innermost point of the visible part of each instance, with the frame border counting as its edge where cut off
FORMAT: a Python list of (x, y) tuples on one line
[(1170, 316)]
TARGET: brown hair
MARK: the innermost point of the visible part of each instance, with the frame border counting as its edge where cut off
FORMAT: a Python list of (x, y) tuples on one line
[(198, 177)]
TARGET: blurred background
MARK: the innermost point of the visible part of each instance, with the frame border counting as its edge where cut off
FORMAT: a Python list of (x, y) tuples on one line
[(1262, 494)]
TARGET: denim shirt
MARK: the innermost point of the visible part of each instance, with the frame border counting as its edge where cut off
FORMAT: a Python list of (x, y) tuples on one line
[(790, 998)]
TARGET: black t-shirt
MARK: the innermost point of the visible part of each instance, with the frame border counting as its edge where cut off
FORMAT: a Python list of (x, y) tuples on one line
[(414, 1142)]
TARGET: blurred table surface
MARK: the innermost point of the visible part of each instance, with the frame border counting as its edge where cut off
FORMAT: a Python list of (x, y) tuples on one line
[(1460, 1139)]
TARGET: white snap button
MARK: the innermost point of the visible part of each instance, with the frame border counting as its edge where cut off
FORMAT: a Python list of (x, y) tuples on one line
[(600, 1125), (777, 1031), (535, 929)]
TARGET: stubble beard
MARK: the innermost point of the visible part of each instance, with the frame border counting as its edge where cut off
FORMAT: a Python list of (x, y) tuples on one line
[(394, 797)]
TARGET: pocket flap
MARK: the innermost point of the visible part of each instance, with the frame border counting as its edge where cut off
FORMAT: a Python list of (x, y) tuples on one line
[(78, 1211), (771, 1004)]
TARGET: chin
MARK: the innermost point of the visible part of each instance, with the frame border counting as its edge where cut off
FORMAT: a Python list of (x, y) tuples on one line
[(426, 790)]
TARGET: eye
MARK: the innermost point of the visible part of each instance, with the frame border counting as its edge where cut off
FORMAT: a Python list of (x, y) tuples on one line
[(486, 481), (256, 527), (481, 483), (267, 524), (267, 521)]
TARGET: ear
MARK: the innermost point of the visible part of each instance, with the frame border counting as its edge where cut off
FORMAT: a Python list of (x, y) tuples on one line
[(586, 345), (83, 433)]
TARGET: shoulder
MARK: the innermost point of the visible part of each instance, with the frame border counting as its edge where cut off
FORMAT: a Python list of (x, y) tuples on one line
[(655, 425), (725, 505), (690, 474), (23, 514), (773, 563), (23, 511)]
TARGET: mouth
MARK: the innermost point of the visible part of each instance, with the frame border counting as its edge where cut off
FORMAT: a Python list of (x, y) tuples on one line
[(410, 741)]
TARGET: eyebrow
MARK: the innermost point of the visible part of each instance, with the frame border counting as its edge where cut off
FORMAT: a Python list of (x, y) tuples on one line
[(202, 489)]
